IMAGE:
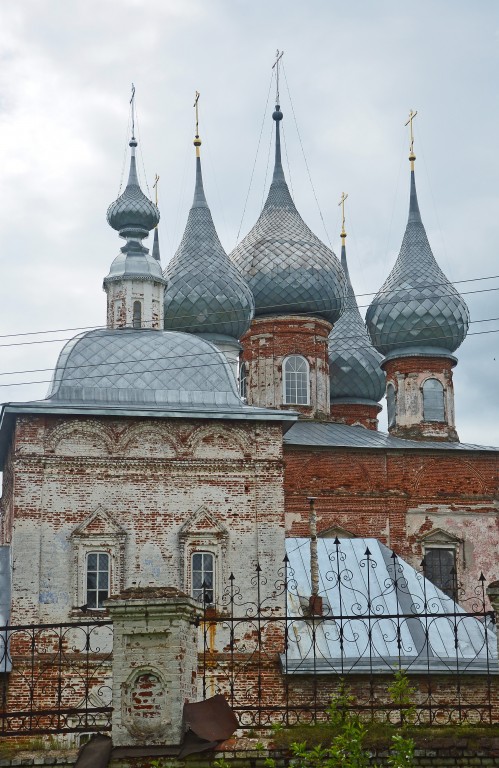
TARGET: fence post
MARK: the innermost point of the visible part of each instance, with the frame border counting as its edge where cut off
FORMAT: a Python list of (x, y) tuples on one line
[(154, 664), (493, 595)]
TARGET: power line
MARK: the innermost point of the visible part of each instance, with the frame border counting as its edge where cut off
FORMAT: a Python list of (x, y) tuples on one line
[(282, 306)]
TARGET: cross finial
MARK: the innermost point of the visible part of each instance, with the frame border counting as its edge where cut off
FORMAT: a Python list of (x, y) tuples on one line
[(132, 105), (278, 56), (412, 156), (197, 140), (155, 187), (342, 203)]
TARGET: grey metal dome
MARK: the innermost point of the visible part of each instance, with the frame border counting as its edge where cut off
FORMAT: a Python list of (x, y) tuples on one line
[(143, 367), (133, 214), (206, 293), (354, 364), (288, 268), (417, 309)]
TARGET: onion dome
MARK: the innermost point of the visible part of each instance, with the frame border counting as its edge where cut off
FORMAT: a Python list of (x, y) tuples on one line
[(133, 214), (417, 311), (289, 270), (205, 293), (354, 365)]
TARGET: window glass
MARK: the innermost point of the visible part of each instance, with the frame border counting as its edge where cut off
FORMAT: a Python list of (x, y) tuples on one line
[(390, 404), (137, 314), (440, 569), (97, 579), (243, 382), (296, 380), (203, 576), (433, 400)]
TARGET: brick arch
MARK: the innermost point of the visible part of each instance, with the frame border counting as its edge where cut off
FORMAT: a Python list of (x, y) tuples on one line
[(210, 441), (336, 473), (83, 438), (144, 440), (446, 476)]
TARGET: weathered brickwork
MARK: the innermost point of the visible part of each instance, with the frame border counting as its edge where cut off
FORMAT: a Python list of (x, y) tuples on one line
[(356, 414), (399, 497), (407, 376), (131, 487), (267, 344)]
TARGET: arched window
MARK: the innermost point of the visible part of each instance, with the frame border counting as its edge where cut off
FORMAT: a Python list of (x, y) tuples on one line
[(243, 381), (137, 314), (390, 404), (203, 576), (296, 387), (433, 400)]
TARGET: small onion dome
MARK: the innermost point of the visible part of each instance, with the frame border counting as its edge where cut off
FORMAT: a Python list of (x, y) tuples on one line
[(354, 365), (133, 214), (205, 293), (417, 310), (287, 267)]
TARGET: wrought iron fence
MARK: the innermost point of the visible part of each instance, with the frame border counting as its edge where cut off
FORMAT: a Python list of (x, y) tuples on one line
[(55, 678), (279, 652)]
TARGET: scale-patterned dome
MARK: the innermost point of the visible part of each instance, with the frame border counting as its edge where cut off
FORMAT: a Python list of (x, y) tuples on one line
[(288, 268), (143, 367), (354, 364), (205, 293), (417, 307), (133, 214)]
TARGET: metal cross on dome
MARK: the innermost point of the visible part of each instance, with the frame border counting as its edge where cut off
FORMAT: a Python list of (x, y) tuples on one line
[(275, 65), (412, 115)]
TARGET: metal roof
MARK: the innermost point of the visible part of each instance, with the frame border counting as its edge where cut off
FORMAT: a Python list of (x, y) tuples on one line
[(379, 613), (331, 435), (354, 364), (417, 305), (205, 293), (288, 268)]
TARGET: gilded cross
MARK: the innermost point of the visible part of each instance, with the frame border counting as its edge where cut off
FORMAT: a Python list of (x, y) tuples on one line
[(342, 203), (275, 65), (412, 115), (155, 187)]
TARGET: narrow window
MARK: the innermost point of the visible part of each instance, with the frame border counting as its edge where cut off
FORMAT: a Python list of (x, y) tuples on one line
[(440, 569), (390, 404), (296, 389), (137, 314), (243, 382), (203, 577), (97, 579), (433, 400)]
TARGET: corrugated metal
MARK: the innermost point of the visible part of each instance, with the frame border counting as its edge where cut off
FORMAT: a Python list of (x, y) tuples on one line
[(5, 598), (369, 613), (329, 435)]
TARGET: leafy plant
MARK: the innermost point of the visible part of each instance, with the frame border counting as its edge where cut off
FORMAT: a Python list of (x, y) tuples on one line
[(402, 694)]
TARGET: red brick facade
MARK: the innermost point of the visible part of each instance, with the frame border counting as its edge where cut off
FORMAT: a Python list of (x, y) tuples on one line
[(356, 414)]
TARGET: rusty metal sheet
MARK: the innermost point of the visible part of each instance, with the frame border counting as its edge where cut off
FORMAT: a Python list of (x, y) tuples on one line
[(209, 722)]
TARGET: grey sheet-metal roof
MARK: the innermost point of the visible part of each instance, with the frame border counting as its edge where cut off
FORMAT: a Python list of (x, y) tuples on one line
[(288, 268), (417, 306), (329, 435), (205, 293), (369, 602), (354, 364)]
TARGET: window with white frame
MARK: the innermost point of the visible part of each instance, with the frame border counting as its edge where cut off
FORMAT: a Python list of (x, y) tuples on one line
[(296, 381), (97, 579), (203, 576), (433, 400)]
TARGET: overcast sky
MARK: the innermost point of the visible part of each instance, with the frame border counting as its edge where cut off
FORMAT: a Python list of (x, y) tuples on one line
[(353, 72)]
